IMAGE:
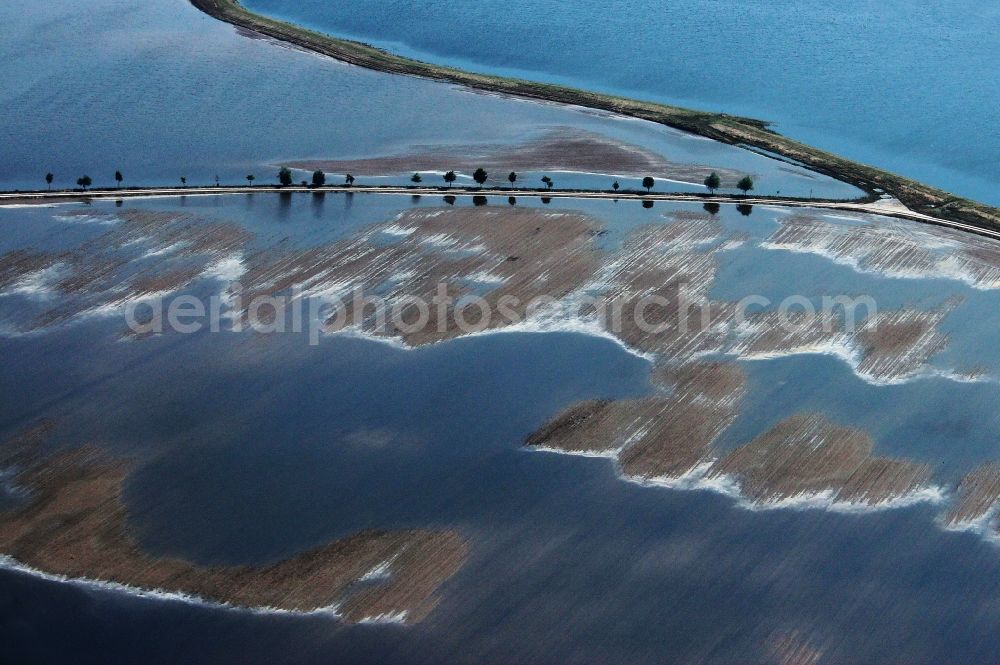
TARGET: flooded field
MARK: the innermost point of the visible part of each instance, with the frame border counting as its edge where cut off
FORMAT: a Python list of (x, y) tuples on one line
[(498, 493)]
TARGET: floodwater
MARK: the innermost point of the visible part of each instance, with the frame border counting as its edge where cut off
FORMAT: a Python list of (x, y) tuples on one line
[(159, 90), (252, 447), (901, 85), (249, 448)]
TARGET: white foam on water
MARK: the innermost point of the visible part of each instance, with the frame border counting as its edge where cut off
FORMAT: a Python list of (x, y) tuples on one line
[(983, 526), (548, 320), (326, 290), (485, 277), (848, 261), (611, 453), (849, 218), (827, 500), (166, 249), (37, 284), (843, 350), (228, 268), (949, 259), (386, 618), (9, 563), (378, 572), (402, 276), (932, 494), (116, 307), (441, 240), (557, 319), (397, 230), (695, 479), (103, 219), (700, 478), (839, 348), (731, 244)]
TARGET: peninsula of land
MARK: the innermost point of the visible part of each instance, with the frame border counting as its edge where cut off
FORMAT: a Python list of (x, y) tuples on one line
[(735, 130)]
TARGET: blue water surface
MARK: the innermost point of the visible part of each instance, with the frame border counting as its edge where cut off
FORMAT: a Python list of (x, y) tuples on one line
[(907, 86)]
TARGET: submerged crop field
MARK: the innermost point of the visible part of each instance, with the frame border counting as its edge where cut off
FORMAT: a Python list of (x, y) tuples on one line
[(321, 363)]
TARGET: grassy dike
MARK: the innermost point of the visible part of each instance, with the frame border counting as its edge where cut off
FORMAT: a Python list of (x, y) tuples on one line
[(734, 130)]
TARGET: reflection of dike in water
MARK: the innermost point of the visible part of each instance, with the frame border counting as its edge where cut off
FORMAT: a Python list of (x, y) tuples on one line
[(713, 208), (318, 200), (284, 205), (69, 520)]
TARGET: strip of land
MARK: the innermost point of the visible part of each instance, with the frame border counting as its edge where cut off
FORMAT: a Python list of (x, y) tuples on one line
[(734, 130), (886, 207)]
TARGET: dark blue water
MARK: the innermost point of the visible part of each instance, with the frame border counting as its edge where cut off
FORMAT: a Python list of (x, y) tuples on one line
[(905, 86), (250, 448)]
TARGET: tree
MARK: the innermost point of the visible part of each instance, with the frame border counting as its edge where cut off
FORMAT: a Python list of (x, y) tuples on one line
[(84, 181), (511, 200), (184, 181), (449, 199), (479, 200), (745, 184), (251, 178), (450, 177), (713, 182), (216, 179), (745, 209), (615, 185), (712, 208), (647, 204), (319, 178), (512, 178), (349, 180), (480, 177), (415, 178), (648, 183), (118, 178), (285, 176), (548, 181), (48, 179)]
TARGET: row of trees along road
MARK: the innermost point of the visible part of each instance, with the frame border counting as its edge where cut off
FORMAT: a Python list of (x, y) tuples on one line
[(712, 181)]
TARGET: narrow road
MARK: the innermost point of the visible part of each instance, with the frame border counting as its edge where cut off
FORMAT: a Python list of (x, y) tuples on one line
[(886, 207)]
